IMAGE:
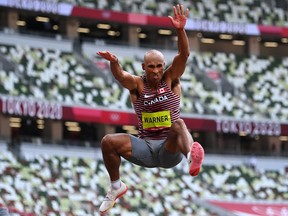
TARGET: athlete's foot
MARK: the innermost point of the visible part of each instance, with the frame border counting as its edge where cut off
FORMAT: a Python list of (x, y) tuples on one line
[(196, 158), (111, 197)]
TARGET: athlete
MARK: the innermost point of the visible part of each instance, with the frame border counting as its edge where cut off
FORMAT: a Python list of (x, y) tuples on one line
[(163, 137)]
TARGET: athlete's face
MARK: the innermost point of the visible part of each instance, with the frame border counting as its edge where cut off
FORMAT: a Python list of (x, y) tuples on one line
[(154, 66)]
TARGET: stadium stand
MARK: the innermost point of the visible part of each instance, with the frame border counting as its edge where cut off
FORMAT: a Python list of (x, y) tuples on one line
[(53, 75), (270, 12), (43, 183), (58, 76)]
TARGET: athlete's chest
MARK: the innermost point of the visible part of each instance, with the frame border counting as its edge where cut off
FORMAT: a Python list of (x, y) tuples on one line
[(160, 99)]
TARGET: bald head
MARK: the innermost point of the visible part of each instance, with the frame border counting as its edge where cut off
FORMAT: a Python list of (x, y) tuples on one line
[(153, 54), (153, 66)]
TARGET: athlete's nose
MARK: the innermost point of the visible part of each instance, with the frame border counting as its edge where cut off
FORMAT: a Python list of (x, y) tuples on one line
[(156, 70), (155, 74)]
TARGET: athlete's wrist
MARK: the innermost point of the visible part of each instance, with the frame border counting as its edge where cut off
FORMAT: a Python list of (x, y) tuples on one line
[(115, 60)]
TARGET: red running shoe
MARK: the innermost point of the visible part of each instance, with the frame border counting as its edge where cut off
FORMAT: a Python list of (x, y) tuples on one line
[(196, 158)]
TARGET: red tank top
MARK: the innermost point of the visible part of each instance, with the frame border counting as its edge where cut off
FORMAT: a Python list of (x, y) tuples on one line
[(156, 110)]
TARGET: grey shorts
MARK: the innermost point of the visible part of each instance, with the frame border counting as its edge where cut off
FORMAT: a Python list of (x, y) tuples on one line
[(152, 153)]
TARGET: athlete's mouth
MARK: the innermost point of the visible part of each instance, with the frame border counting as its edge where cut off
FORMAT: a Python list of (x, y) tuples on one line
[(155, 76)]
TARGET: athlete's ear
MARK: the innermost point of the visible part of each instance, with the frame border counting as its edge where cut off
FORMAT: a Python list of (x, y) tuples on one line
[(143, 66)]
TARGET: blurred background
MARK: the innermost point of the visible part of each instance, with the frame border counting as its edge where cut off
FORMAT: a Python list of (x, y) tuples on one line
[(58, 99)]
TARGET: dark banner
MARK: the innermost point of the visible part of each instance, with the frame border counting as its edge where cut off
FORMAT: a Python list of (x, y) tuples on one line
[(49, 110)]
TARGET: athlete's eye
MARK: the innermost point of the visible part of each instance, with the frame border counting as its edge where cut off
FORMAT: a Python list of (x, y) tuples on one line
[(151, 66)]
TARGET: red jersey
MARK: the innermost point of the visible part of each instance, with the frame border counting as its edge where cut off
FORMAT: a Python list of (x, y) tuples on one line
[(156, 110)]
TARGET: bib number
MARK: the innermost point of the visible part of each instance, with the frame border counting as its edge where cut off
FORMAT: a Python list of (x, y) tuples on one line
[(156, 119)]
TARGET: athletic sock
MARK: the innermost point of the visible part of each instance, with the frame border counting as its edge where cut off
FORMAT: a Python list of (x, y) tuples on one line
[(188, 156), (116, 184)]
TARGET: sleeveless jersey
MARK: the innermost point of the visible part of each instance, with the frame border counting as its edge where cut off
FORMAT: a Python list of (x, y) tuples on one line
[(156, 110)]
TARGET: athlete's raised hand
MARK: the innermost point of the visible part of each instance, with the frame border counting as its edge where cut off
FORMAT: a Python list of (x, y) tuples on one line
[(108, 56), (180, 16)]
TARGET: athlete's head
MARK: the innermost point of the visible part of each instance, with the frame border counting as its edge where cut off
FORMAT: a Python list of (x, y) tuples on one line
[(153, 65)]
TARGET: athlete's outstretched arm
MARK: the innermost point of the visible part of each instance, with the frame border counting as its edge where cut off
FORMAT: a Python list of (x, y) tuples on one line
[(179, 62), (126, 79)]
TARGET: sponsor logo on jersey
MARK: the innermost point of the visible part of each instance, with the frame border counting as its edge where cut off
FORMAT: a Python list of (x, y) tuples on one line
[(149, 95)]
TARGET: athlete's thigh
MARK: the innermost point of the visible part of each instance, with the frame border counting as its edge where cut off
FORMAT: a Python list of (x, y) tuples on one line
[(168, 159), (142, 152), (179, 137), (120, 142)]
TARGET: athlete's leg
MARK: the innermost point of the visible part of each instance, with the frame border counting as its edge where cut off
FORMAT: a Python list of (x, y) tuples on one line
[(179, 138), (115, 146)]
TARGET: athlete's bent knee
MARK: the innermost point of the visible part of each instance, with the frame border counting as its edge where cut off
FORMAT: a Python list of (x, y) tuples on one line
[(178, 125), (106, 142)]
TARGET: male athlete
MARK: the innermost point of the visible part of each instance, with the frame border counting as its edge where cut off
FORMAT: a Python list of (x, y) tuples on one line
[(163, 137)]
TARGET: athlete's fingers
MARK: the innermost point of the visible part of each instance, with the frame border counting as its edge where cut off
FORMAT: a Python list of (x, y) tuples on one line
[(182, 12), (187, 12), (174, 10)]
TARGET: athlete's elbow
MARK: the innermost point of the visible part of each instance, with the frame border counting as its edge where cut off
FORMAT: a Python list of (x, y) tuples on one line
[(186, 56), (187, 53)]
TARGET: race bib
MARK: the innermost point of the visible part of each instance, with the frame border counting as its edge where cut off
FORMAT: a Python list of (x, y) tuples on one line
[(156, 119)]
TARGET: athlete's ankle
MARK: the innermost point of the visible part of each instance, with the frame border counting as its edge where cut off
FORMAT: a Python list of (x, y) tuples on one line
[(116, 184)]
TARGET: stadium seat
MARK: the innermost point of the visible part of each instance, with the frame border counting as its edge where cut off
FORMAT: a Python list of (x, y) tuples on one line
[(264, 12)]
